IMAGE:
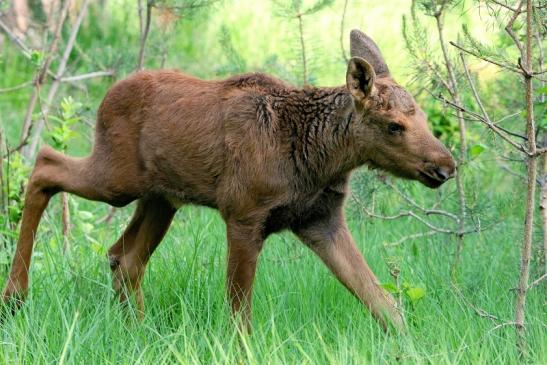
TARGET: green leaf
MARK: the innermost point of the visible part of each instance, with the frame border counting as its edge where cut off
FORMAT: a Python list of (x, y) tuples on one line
[(85, 215), (476, 150), (390, 287), (36, 57), (415, 293), (414, 249), (542, 90)]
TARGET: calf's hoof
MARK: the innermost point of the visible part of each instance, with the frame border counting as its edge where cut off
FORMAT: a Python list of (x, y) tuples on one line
[(12, 299)]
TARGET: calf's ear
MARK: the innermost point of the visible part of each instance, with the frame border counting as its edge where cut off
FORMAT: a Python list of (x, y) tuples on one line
[(360, 79), (361, 45)]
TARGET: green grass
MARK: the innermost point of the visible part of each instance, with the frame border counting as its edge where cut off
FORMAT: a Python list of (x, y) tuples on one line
[(301, 313)]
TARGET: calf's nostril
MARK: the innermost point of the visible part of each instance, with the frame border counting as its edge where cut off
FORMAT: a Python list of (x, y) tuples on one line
[(442, 174)]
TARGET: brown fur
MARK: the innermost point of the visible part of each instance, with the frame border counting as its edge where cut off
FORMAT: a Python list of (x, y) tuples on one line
[(267, 155)]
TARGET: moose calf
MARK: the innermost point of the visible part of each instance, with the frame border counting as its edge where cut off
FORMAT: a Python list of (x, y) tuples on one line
[(267, 155)]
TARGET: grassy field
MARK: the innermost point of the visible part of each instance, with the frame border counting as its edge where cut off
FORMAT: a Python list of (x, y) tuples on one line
[(301, 313)]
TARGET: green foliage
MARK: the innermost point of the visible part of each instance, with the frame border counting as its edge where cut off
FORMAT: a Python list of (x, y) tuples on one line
[(476, 150), (36, 57), (16, 173), (413, 293), (295, 12), (415, 36), (84, 222), (4, 5), (236, 63), (296, 8), (428, 70), (443, 124), (62, 131), (497, 51)]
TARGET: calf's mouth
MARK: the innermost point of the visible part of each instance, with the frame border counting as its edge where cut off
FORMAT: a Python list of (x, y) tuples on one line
[(429, 180)]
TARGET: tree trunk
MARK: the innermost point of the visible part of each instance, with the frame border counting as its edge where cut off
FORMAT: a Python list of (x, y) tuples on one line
[(526, 249)]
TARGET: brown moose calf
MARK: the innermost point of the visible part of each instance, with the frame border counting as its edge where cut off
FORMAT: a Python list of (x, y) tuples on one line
[(267, 155)]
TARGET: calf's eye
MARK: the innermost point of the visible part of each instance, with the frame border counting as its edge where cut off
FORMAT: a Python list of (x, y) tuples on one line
[(394, 128)]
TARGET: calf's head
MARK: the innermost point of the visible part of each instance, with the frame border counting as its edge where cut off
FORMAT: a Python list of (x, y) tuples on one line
[(392, 128)]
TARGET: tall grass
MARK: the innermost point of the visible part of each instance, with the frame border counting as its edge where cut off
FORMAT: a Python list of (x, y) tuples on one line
[(301, 313)]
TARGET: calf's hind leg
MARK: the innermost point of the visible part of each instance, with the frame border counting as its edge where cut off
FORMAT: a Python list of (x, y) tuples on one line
[(55, 172), (130, 254)]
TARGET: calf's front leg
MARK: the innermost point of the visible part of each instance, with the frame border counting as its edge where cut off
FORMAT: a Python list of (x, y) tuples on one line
[(331, 240)]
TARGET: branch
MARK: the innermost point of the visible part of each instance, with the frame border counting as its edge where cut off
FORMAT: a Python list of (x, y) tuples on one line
[(21, 144), (505, 324), (537, 281), (144, 31), (539, 151), (509, 28), (507, 67), (342, 21), (15, 39), (479, 102), (411, 237), (89, 75), (438, 75), (474, 90), (69, 79), (481, 119), (511, 171), (426, 211), (503, 5), (509, 116), (406, 214), (39, 80), (21, 45), (479, 311), (108, 217), (303, 51), (57, 80), (514, 134), (18, 87)]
